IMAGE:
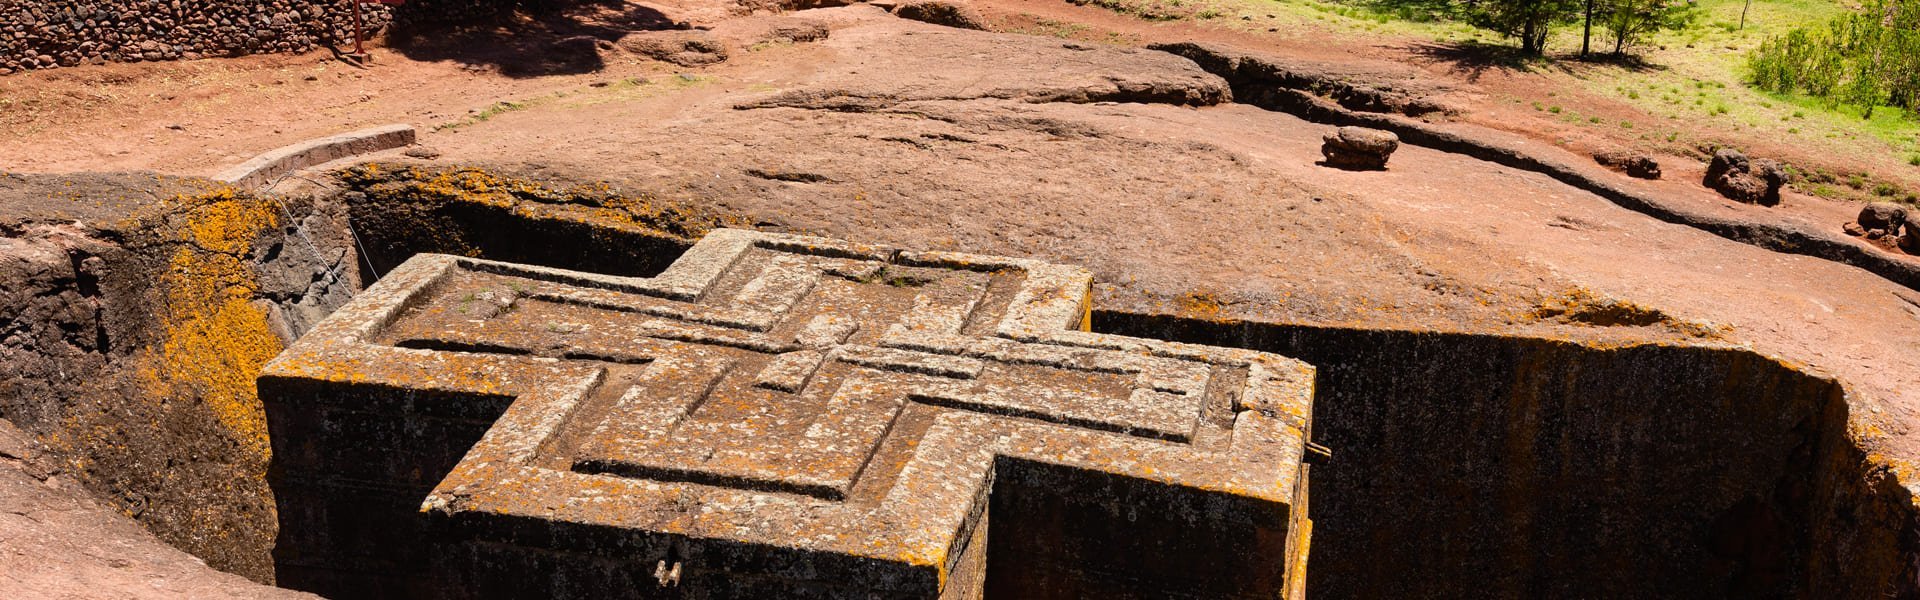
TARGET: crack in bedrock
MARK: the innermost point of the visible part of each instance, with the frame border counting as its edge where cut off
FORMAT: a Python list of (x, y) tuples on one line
[(1482, 466), (1200, 93), (1268, 83)]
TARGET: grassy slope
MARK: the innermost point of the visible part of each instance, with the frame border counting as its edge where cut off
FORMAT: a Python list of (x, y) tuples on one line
[(1693, 81)]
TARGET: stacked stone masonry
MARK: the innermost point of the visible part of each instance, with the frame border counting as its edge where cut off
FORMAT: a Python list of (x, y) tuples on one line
[(38, 34), (777, 416), (41, 34)]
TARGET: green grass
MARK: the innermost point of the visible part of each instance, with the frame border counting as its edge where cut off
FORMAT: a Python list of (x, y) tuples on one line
[(1692, 77), (482, 115)]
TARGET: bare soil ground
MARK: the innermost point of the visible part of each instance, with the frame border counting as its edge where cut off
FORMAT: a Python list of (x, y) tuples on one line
[(56, 541)]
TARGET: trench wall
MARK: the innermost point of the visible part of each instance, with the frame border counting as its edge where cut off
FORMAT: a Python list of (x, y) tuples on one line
[(1477, 466), (130, 351)]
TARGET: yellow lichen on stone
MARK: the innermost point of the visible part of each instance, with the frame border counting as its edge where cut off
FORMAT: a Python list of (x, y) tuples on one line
[(595, 203), (1581, 306), (1200, 304), (216, 339)]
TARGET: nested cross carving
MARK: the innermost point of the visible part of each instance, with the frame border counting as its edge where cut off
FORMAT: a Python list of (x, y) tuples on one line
[(805, 394), (792, 382)]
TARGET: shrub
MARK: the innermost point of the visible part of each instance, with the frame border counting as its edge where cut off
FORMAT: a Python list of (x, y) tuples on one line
[(1869, 58)]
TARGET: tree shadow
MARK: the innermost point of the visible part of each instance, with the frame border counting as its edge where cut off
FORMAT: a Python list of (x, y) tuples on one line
[(563, 38), (1630, 62), (1471, 60)]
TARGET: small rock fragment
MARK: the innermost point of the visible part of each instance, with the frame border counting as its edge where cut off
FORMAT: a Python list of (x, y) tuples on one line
[(1634, 164), (1359, 148), (1911, 241)]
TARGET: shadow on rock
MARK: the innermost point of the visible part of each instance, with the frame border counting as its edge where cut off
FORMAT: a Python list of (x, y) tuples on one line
[(533, 41)]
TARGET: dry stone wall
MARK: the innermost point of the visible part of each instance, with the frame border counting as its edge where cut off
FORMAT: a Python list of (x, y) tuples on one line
[(41, 34), (64, 33)]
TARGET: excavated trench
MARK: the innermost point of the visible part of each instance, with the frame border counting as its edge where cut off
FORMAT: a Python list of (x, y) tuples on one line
[(1483, 466), (1463, 466)]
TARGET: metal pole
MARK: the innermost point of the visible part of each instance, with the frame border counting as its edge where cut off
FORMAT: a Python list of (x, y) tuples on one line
[(358, 34)]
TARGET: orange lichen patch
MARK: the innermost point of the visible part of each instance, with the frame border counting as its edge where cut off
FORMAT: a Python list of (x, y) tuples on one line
[(216, 340), (1584, 307), (1204, 305), (596, 203)]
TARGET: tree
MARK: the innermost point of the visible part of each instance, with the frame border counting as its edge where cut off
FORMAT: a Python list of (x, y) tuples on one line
[(1586, 31), (1631, 20), (1869, 58), (1528, 20)]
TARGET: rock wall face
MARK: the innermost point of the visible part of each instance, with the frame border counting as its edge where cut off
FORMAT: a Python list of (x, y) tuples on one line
[(135, 310), (39, 34), (1484, 466)]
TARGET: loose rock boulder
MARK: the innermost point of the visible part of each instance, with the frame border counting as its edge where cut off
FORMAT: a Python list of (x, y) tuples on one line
[(942, 12), (692, 48), (1633, 164), (1751, 181), (1911, 241), (1359, 148), (1881, 219)]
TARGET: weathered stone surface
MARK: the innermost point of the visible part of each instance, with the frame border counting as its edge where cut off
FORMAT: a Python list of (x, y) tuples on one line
[(1264, 78), (1359, 148), (926, 63), (760, 30), (690, 48), (777, 416), (1881, 219), (1634, 164), (1751, 181), (139, 308), (942, 12), (1911, 241)]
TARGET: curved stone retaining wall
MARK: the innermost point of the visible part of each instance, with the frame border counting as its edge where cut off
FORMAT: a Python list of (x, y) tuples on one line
[(261, 171)]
